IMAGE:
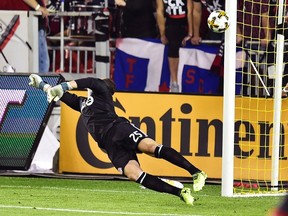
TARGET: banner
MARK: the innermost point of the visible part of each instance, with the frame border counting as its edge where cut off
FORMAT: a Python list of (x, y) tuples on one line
[(142, 65), (171, 124), (194, 73)]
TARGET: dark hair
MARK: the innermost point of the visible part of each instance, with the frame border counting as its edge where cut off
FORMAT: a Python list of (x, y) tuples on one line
[(111, 85)]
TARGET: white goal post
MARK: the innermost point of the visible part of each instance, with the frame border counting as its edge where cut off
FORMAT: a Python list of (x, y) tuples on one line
[(229, 101), (253, 183)]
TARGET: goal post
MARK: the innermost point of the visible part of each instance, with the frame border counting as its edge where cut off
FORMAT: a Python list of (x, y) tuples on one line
[(277, 112), (229, 101), (255, 115)]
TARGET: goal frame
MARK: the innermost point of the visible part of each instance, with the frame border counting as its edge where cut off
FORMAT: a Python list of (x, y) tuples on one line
[(229, 105)]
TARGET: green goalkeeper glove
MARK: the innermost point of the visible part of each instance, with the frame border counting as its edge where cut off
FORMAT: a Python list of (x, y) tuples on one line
[(56, 92), (37, 82)]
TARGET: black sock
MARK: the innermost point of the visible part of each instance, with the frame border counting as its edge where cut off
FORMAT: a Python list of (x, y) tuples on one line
[(156, 184), (175, 158)]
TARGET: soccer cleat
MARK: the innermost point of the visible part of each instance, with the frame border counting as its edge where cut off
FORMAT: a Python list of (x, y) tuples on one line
[(199, 180), (186, 196)]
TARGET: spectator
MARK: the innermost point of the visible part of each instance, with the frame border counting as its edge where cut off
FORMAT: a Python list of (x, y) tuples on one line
[(44, 60), (198, 17), (253, 34), (253, 21), (201, 11), (175, 27), (136, 19), (37, 5), (277, 28)]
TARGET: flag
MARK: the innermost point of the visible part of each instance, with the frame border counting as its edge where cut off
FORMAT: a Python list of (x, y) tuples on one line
[(194, 73), (142, 65)]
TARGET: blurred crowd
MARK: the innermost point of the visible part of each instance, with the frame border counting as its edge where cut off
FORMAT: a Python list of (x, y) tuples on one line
[(174, 22), (138, 18)]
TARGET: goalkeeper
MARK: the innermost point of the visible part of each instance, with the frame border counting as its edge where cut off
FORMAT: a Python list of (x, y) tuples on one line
[(121, 139)]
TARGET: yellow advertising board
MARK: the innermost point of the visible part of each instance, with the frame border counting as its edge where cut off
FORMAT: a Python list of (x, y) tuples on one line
[(190, 124)]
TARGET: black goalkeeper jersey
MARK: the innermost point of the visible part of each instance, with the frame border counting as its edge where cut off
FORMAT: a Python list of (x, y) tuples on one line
[(97, 110)]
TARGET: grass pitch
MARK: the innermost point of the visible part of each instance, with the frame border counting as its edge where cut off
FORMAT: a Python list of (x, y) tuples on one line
[(49, 196)]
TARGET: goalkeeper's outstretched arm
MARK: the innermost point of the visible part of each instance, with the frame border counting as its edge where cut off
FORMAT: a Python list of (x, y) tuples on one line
[(56, 92), (72, 100)]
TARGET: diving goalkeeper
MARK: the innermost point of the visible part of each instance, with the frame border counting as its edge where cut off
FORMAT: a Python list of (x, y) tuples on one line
[(120, 138)]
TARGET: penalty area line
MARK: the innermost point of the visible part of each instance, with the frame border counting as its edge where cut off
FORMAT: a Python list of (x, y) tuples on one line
[(90, 211)]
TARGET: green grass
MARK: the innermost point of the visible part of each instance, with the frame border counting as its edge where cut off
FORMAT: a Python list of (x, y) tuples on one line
[(50, 196)]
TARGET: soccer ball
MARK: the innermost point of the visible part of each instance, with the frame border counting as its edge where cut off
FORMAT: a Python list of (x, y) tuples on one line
[(218, 21)]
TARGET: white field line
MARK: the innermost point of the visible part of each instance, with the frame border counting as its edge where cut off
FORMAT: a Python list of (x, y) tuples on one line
[(90, 211), (68, 189), (87, 190)]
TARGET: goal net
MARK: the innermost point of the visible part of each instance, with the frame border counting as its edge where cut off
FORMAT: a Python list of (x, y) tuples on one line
[(255, 114)]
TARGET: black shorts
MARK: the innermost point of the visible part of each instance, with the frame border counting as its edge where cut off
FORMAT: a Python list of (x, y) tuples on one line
[(121, 143), (175, 34)]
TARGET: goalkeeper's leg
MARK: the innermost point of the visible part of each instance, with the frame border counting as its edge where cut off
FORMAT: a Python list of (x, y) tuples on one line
[(133, 171), (159, 151), (177, 159)]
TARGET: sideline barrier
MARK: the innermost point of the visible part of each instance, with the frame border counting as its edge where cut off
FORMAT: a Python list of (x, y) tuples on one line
[(24, 113)]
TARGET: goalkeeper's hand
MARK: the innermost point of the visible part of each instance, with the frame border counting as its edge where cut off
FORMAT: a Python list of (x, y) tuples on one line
[(56, 92), (37, 82)]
